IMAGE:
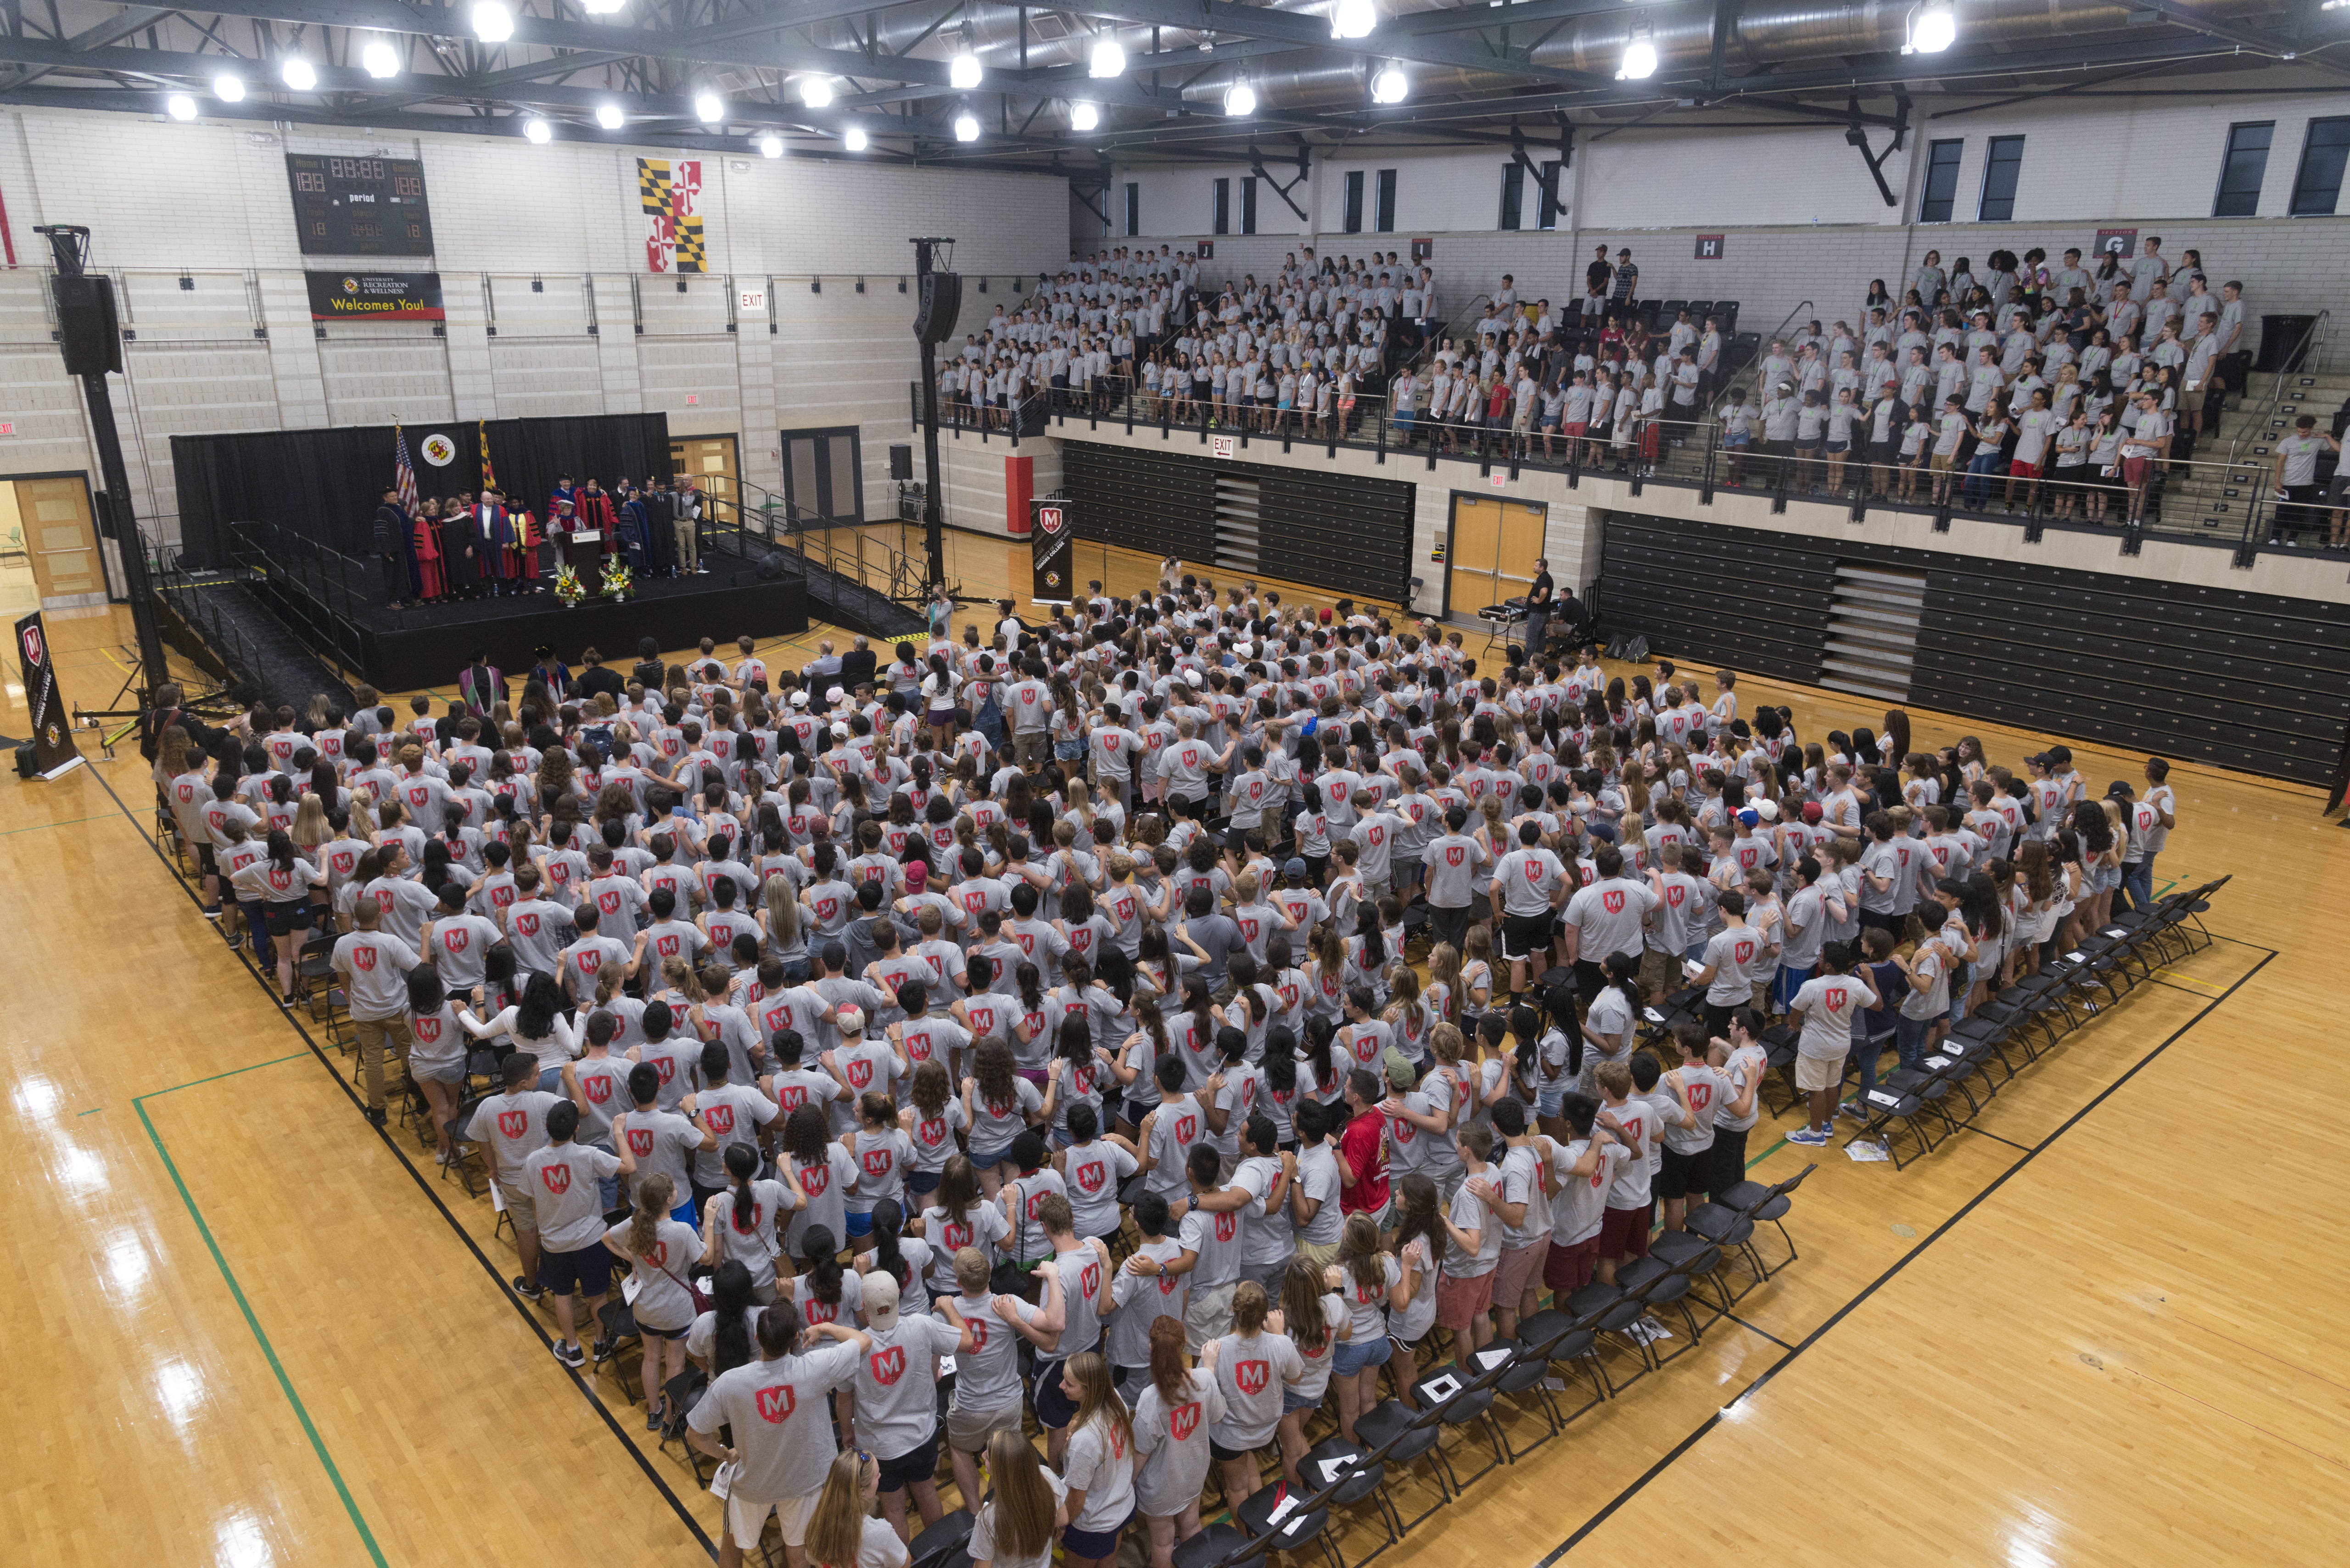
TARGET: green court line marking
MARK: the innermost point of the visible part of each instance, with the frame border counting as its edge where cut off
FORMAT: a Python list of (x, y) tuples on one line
[(92, 1112), (1766, 1154), (71, 822), (286, 1383)]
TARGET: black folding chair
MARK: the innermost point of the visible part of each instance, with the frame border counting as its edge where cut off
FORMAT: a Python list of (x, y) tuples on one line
[(1463, 1393), (1306, 1523), (1403, 1436)]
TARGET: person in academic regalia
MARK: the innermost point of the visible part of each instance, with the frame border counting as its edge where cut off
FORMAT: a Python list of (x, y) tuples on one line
[(660, 552), (564, 491), (388, 540), (636, 528), (461, 554), (594, 510), (522, 556), (495, 526), (425, 546)]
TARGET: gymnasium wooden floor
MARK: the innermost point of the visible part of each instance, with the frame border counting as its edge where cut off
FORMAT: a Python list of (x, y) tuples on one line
[(2096, 1331)]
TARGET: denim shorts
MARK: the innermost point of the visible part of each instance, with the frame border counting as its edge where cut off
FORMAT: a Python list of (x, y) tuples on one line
[(1293, 1401), (1358, 1354)]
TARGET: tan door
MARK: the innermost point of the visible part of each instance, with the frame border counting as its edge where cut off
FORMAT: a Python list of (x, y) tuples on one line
[(62, 541), (710, 459), (1492, 553)]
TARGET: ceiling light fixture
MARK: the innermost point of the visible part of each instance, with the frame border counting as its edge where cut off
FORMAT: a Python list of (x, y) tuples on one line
[(1354, 18), (180, 105), (817, 91), (709, 108), (1639, 56), (298, 73), (492, 22), (609, 117), (380, 60), (854, 139), (771, 146), (963, 72), (1083, 116), (966, 126), (1390, 84), (228, 89), (1108, 58), (1933, 27), (537, 131), (1240, 99)]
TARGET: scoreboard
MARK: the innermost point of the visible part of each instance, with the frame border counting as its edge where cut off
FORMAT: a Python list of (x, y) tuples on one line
[(359, 206)]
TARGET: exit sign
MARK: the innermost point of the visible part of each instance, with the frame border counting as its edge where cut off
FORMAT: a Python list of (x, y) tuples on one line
[(693, 400), (1223, 446), (8, 426)]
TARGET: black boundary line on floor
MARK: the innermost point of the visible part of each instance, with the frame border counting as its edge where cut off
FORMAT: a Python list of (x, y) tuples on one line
[(1994, 1137), (594, 1400), (1711, 1422)]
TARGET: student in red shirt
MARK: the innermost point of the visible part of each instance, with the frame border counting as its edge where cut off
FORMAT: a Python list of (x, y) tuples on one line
[(1362, 1151)]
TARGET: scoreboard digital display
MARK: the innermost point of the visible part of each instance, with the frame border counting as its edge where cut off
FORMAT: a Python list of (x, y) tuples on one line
[(359, 206)]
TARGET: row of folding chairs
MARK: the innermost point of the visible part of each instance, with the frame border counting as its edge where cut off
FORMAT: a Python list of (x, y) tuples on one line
[(1915, 1110)]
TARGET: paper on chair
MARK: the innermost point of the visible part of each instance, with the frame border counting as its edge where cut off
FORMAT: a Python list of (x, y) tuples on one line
[(1489, 1359), (1281, 1511), (1437, 1390), (1333, 1468)]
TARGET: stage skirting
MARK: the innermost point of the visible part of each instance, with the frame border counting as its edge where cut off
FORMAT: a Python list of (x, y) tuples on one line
[(414, 658)]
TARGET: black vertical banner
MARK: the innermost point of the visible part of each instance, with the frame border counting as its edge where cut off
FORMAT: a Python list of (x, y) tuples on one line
[(53, 743), (1050, 555)]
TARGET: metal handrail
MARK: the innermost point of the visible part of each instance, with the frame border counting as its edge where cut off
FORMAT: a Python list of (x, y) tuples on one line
[(2294, 361)]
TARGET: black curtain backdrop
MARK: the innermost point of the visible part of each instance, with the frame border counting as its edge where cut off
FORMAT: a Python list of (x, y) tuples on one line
[(325, 483)]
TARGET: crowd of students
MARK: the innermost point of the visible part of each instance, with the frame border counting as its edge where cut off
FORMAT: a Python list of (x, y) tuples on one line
[(1161, 1018)]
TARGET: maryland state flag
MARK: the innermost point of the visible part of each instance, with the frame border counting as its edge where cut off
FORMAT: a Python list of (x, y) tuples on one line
[(670, 195), (489, 475)]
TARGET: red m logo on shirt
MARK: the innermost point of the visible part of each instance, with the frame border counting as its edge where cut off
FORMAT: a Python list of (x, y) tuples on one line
[(775, 1404)]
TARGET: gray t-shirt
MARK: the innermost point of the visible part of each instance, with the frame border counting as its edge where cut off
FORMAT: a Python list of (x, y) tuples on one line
[(662, 1300), (374, 966), (987, 1375), (897, 1383), (1251, 1373), (514, 1126), (782, 1425), (1170, 1443), (562, 1181), (1139, 1299), (1468, 1213), (1732, 954), (659, 1141)]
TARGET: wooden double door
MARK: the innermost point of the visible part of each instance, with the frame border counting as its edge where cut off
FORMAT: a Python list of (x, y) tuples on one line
[(1492, 553)]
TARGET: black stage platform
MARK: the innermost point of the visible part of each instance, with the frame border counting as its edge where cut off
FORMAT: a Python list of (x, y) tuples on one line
[(428, 645)]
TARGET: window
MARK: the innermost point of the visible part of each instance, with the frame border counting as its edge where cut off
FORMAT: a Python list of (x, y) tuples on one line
[(1942, 180), (1386, 201), (2004, 162), (1248, 205), (1223, 205), (1550, 203), (2241, 171), (2317, 184), (1513, 192), (1133, 208), (1355, 202)]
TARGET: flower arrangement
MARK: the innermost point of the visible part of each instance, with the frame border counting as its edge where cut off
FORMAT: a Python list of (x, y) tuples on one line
[(568, 585), (617, 579)]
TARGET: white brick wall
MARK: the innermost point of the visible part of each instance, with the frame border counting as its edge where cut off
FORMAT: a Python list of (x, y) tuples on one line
[(212, 200)]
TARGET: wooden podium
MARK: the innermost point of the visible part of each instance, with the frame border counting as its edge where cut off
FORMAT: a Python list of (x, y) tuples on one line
[(583, 552)]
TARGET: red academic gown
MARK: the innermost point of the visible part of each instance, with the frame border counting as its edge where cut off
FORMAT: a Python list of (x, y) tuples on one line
[(592, 511), (426, 535), (522, 556)]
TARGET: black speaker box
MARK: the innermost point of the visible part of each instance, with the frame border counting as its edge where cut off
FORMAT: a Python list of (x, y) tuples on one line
[(86, 328), (901, 462), (941, 302)]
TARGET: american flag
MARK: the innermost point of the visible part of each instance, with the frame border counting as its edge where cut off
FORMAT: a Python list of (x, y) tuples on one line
[(489, 475), (403, 473)]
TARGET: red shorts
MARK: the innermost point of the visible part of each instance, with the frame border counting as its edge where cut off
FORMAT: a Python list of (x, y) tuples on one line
[(1458, 1301), (1571, 1268), (1625, 1233), (1574, 431), (2134, 471), (1516, 1272), (1650, 437), (2019, 468)]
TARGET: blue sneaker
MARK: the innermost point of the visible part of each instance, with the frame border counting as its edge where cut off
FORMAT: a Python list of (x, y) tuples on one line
[(1808, 1138)]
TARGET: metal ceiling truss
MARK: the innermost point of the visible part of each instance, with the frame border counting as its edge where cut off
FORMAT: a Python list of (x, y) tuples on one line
[(1497, 67)]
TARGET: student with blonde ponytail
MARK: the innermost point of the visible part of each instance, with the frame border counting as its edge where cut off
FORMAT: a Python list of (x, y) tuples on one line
[(659, 1250), (1015, 1526), (842, 1532), (1098, 1464)]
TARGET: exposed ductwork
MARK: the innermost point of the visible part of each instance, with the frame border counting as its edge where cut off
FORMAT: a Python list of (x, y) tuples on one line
[(1683, 38)]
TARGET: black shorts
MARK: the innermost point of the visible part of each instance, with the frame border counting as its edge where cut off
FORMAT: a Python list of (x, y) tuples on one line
[(205, 861), (285, 919), (1055, 1408), (1682, 1174), (1217, 1450), (584, 1271), (912, 1468), (1525, 936)]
